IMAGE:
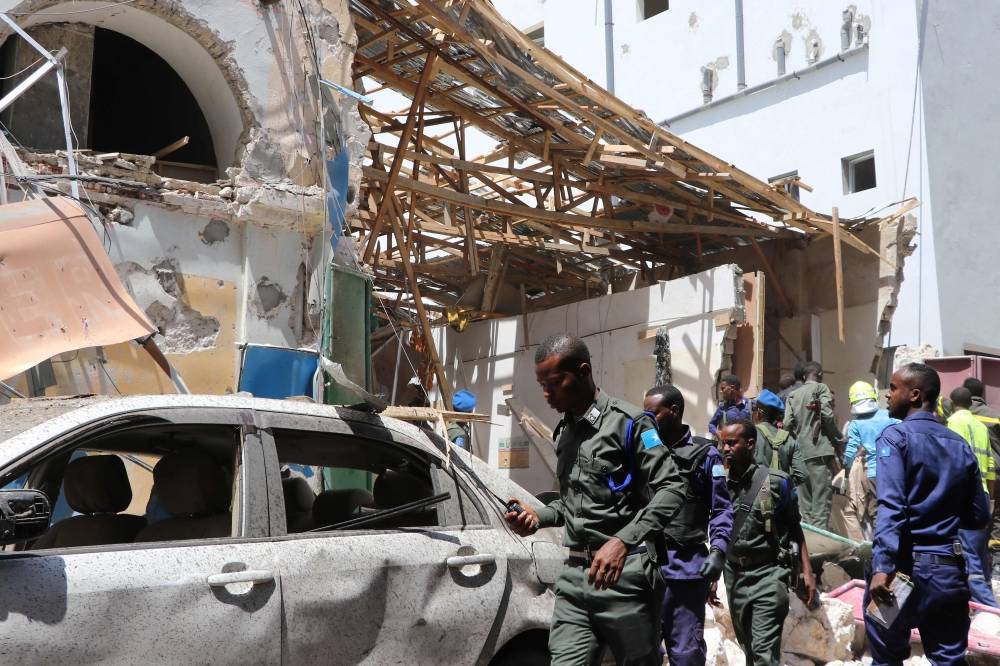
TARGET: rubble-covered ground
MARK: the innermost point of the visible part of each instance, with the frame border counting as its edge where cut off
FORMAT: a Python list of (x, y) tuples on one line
[(827, 635)]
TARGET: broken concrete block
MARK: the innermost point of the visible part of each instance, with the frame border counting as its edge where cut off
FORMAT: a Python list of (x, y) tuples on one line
[(822, 635), (788, 659), (715, 650), (986, 623), (734, 653)]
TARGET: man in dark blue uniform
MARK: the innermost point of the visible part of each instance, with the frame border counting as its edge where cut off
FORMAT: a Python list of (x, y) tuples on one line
[(733, 406), (928, 487), (707, 515)]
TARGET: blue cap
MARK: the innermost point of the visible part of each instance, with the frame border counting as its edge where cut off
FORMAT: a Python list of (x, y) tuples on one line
[(769, 399), (464, 401)]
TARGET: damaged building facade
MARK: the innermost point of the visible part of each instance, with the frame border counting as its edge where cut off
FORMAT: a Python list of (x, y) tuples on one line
[(198, 133)]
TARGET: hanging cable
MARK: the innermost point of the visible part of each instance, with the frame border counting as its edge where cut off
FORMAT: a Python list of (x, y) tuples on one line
[(111, 5)]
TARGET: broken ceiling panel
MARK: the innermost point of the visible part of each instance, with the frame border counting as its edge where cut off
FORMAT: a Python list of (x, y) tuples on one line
[(60, 290)]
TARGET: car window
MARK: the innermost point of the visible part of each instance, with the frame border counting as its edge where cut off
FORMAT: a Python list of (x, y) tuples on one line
[(329, 478), (141, 484)]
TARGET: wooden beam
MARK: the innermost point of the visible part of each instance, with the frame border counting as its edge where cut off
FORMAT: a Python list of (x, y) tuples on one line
[(397, 160), (580, 221), (494, 277), (772, 277), (838, 268)]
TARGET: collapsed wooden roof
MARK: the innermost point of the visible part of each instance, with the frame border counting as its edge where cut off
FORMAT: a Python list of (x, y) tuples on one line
[(581, 188)]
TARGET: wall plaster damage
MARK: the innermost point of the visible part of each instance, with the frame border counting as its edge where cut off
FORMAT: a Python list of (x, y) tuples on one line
[(218, 231)]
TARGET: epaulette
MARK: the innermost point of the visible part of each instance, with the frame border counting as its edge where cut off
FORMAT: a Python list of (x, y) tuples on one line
[(625, 407)]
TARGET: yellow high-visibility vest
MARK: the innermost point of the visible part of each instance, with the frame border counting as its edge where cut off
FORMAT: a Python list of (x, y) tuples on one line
[(978, 437)]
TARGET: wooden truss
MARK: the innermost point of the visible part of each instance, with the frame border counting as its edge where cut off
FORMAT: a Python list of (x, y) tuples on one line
[(580, 190)]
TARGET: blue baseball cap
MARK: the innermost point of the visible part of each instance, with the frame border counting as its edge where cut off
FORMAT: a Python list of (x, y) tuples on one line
[(769, 399), (463, 401)]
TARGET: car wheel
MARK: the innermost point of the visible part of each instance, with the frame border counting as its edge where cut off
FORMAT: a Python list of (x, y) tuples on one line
[(529, 650)]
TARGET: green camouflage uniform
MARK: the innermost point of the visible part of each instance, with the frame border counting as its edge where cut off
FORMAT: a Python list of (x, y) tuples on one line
[(626, 617), (757, 570), (815, 431)]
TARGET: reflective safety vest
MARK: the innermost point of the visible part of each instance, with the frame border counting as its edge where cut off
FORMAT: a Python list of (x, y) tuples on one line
[(978, 437)]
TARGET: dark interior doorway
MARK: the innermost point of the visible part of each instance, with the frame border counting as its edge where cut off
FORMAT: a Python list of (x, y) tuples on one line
[(139, 104)]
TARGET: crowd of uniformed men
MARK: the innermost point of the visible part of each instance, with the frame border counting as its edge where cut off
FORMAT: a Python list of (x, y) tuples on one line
[(654, 514)]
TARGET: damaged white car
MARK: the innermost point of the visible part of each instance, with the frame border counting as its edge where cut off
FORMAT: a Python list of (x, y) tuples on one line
[(207, 529)]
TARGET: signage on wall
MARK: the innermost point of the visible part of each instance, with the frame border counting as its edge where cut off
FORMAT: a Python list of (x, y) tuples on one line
[(513, 453)]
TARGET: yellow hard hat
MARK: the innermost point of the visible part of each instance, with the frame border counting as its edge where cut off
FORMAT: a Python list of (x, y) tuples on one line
[(861, 391)]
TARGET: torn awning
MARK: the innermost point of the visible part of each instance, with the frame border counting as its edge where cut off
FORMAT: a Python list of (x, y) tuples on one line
[(58, 289)]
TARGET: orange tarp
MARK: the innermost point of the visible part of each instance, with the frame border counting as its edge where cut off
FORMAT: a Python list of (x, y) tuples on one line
[(58, 289)]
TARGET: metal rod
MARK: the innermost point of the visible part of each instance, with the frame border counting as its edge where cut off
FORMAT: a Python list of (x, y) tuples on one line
[(28, 38), (67, 130), (23, 86), (741, 71), (609, 47)]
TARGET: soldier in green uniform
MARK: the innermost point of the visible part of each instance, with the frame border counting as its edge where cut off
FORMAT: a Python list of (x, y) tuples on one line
[(809, 418), (759, 560), (618, 487), (458, 431), (776, 448)]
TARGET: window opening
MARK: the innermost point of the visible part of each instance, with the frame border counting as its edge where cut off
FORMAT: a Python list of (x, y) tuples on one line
[(650, 8), (124, 98), (859, 172), (328, 479), (139, 485)]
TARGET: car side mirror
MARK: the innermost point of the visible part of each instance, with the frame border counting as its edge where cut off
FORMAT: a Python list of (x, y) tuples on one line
[(24, 515)]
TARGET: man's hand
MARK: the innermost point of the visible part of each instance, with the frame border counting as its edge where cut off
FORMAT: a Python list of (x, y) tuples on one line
[(711, 568), (812, 596), (606, 567), (713, 595), (879, 588), (524, 523)]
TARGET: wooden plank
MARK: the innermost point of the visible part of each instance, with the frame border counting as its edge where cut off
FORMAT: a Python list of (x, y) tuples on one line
[(494, 277), (772, 277), (397, 160), (838, 268), (457, 164), (580, 221)]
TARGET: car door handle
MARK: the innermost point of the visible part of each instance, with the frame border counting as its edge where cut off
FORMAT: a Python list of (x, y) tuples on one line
[(248, 576), (459, 561)]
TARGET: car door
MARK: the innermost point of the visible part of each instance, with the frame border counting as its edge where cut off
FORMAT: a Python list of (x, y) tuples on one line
[(211, 600), (380, 594)]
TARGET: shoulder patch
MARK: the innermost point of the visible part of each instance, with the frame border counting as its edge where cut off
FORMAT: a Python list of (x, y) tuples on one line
[(718, 471), (650, 439), (884, 451)]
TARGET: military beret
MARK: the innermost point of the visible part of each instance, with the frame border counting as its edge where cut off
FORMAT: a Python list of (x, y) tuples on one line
[(769, 399)]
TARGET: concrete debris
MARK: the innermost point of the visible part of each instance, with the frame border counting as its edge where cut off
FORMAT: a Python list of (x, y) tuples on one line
[(121, 215), (823, 635), (987, 623), (907, 354), (809, 637), (184, 329)]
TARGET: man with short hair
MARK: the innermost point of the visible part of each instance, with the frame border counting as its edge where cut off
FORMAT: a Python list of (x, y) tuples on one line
[(975, 543), (766, 523), (991, 419), (775, 447), (619, 488), (798, 379), (929, 487), (809, 418), (707, 516), (732, 407)]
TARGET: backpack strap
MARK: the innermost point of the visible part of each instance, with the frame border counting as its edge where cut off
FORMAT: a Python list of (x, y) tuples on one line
[(743, 506)]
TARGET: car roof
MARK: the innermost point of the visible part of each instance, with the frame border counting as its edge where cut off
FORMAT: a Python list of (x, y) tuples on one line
[(25, 423)]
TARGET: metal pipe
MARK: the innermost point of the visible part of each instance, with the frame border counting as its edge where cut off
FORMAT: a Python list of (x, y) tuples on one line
[(840, 57), (609, 47), (67, 130), (741, 71)]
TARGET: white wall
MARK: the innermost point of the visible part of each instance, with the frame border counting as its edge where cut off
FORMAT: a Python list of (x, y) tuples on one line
[(492, 354)]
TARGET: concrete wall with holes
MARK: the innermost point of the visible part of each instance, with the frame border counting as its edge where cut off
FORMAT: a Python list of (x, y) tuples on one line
[(872, 100), (495, 360), (213, 284)]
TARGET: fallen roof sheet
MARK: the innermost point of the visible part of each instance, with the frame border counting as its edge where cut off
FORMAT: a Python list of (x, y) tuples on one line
[(58, 289)]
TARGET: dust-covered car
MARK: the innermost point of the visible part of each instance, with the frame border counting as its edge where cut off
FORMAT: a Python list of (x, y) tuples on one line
[(223, 529)]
